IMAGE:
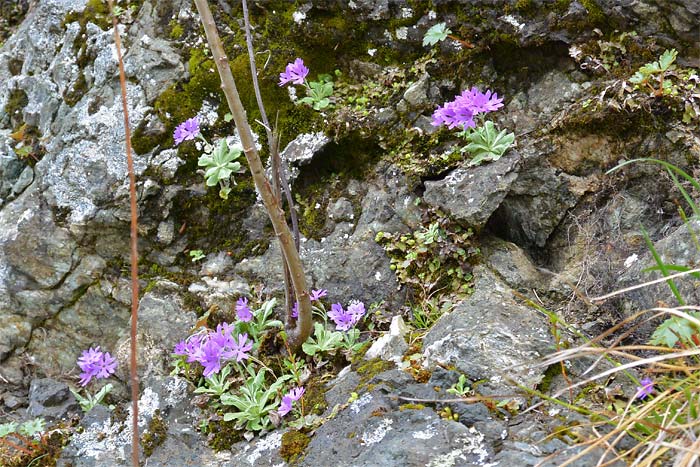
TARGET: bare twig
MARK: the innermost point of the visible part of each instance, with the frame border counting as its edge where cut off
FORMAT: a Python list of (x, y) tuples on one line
[(279, 181), (133, 374), (302, 328), (645, 284)]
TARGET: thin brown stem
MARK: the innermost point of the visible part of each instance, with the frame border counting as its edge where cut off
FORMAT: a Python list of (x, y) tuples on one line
[(133, 374), (302, 329), (16, 446), (464, 43), (279, 181)]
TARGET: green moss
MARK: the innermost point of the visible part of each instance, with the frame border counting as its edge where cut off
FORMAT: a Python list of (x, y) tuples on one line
[(315, 395), (14, 106), (524, 6), (154, 435), (411, 407), (223, 435), (368, 369), (595, 13), (546, 383), (176, 30), (96, 12), (293, 444)]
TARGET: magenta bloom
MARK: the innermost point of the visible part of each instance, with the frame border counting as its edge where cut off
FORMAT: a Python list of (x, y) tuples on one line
[(96, 364), (645, 389), (317, 294), (187, 130), (295, 73), (460, 112), (213, 349), (240, 348), (242, 310), (295, 310), (289, 399), (346, 319)]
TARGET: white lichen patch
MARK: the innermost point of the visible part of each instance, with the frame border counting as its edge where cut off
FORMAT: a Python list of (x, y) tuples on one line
[(510, 19), (361, 402), (272, 442), (298, 17), (429, 432), (98, 439), (631, 260), (406, 13), (402, 33), (177, 391), (378, 434), (472, 445)]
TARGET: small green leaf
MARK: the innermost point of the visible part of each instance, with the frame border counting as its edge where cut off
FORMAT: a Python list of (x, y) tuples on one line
[(667, 58), (435, 34)]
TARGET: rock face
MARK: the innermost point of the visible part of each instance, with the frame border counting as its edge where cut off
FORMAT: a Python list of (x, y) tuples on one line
[(490, 337), (471, 195), (550, 221), (51, 400), (166, 420), (59, 232), (348, 262)]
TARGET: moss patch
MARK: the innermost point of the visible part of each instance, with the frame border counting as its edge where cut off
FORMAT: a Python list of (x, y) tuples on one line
[(155, 435), (222, 435), (293, 444), (16, 102)]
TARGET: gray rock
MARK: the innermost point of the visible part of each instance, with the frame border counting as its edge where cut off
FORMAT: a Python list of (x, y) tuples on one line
[(417, 93), (490, 337), (341, 210), (676, 248), (538, 201), (163, 322), (106, 442), (216, 265), (348, 262), (391, 346), (472, 194), (300, 151), (51, 399), (358, 437)]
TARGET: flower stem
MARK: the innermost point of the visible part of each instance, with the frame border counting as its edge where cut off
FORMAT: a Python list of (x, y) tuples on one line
[(302, 329)]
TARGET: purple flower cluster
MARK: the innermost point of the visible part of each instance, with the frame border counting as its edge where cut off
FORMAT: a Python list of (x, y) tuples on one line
[(315, 296), (242, 310), (95, 364), (645, 389), (288, 400), (295, 73), (460, 112), (346, 319), (214, 348), (187, 130)]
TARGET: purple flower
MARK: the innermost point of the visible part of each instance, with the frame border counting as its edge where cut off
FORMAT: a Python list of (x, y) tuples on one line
[(460, 112), (295, 73), (295, 310), (483, 102), (342, 319), (240, 348), (96, 364), (645, 389), (242, 310), (356, 310), (187, 130), (213, 349), (289, 399), (210, 357), (317, 294)]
